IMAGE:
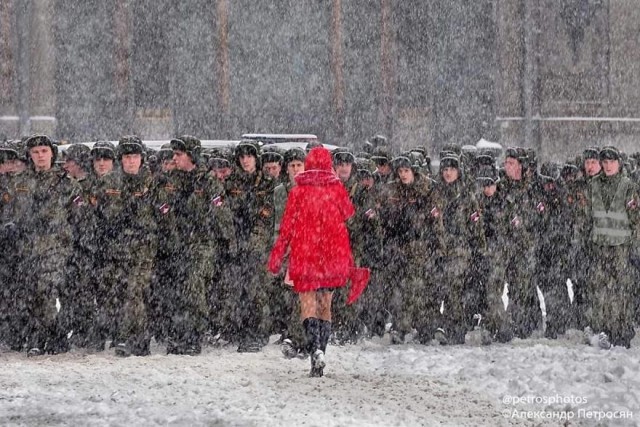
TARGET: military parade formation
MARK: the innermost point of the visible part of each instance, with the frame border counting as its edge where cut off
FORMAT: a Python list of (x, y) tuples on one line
[(119, 244)]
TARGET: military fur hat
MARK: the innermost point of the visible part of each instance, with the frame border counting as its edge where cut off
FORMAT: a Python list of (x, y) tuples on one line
[(487, 175), (41, 140), (591, 153), (130, 144), (165, 153), (549, 172), (401, 162), (381, 155), (517, 153), (79, 153), (218, 163), (271, 157), (609, 153), (294, 154), (343, 155), (103, 150), (8, 151), (190, 145), (450, 161)]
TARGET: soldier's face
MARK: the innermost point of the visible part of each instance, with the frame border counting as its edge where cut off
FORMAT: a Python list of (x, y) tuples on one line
[(383, 168), (248, 163), (450, 175), (294, 168), (592, 167), (218, 174), (42, 157), (489, 190), (72, 168), (272, 169), (102, 166), (17, 166), (367, 182), (168, 165), (513, 168), (131, 163), (610, 167), (343, 170), (5, 168), (405, 175), (183, 161)]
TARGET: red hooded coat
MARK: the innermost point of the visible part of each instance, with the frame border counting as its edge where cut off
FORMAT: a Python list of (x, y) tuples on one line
[(313, 227)]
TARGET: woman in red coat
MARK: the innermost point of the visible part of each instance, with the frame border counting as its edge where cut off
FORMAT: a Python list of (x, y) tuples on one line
[(314, 234)]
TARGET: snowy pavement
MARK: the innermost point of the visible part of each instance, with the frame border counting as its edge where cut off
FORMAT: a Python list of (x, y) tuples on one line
[(370, 384)]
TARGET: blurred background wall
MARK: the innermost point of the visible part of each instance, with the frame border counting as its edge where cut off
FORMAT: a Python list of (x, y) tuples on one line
[(557, 75)]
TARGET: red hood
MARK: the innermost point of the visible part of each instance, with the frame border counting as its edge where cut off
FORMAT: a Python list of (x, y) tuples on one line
[(318, 168), (316, 177), (319, 158)]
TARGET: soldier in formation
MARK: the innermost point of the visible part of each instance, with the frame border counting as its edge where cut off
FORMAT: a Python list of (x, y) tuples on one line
[(179, 254)]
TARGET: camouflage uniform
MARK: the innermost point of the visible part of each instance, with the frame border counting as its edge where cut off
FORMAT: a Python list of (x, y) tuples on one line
[(8, 334), (250, 196), (126, 236), (613, 223), (193, 221), (576, 200), (347, 319), (80, 314), (519, 263), (553, 255), (366, 243), (284, 302), (42, 206), (413, 240), (497, 319), (464, 235)]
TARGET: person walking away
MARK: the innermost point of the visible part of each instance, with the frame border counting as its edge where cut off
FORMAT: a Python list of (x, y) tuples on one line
[(315, 234)]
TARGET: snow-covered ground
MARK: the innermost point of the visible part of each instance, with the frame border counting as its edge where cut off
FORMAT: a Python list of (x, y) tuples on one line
[(370, 384)]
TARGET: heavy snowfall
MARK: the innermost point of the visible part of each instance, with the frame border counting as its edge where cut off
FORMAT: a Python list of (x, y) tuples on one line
[(526, 382)]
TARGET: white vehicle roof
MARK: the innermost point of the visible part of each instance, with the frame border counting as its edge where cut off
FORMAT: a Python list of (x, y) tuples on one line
[(483, 143), (156, 144), (288, 145), (270, 138)]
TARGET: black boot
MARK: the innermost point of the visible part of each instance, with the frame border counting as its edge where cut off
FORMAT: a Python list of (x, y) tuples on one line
[(312, 332), (325, 334)]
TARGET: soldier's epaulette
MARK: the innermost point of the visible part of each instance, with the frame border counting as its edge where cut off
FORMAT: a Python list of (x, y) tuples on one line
[(112, 192), (169, 187), (21, 189)]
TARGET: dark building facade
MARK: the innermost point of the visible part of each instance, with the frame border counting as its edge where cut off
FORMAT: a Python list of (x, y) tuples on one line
[(553, 74)]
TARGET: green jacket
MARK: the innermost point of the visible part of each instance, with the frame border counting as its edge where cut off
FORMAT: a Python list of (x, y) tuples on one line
[(124, 222), (280, 195), (250, 198), (42, 205), (612, 210)]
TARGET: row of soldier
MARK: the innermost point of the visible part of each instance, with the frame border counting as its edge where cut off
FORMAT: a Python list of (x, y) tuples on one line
[(116, 249)]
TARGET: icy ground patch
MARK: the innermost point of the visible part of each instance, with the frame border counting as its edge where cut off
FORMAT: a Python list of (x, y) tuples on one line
[(370, 384)]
